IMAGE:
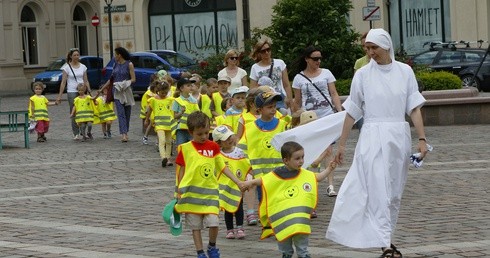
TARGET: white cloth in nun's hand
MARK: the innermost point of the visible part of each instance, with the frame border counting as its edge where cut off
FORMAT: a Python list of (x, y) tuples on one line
[(315, 136), (415, 158)]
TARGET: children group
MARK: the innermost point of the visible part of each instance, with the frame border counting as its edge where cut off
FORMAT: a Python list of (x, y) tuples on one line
[(225, 161)]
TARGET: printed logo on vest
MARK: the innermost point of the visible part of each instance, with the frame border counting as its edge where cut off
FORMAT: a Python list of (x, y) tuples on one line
[(307, 187), (206, 171), (291, 192)]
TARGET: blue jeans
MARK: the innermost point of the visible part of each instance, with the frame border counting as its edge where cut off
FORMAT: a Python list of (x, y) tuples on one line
[(123, 116), (300, 241), (182, 136)]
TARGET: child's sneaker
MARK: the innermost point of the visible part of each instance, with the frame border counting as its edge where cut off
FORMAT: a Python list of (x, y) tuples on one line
[(213, 252), (313, 214), (105, 136), (109, 134), (89, 135), (145, 140), (240, 233), (330, 191), (84, 138), (251, 219), (76, 137), (202, 255)]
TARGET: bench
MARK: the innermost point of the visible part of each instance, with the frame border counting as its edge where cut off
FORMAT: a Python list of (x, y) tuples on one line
[(14, 121)]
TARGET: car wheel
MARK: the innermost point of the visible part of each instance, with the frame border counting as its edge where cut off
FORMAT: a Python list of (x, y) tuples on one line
[(468, 81)]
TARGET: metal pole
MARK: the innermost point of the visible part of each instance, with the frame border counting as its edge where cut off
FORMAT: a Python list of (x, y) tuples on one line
[(110, 29), (97, 46)]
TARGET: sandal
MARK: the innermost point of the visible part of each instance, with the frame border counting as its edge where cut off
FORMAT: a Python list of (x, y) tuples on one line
[(391, 252)]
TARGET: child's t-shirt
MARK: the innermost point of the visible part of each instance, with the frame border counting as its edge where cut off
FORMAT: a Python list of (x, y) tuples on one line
[(208, 149), (267, 125)]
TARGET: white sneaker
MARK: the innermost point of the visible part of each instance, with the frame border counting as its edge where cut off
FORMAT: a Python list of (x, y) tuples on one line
[(330, 191), (145, 140), (77, 137)]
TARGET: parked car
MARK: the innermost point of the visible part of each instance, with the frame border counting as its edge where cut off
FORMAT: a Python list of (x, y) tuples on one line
[(147, 63), (449, 59), (51, 77), (481, 81)]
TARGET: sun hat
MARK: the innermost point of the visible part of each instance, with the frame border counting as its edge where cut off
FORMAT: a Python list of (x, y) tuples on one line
[(222, 133), (224, 78), (264, 98), (307, 117), (241, 89), (161, 74), (172, 218)]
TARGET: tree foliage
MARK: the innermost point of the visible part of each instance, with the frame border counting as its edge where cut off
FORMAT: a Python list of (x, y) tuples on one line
[(297, 24)]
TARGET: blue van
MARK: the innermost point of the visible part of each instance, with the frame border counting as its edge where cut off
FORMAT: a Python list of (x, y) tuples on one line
[(146, 63), (51, 77)]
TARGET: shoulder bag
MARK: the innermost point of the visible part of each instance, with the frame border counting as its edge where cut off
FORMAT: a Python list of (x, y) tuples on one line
[(73, 72), (316, 87)]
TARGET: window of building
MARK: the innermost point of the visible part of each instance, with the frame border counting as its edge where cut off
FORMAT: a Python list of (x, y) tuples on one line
[(193, 27), (80, 30), (29, 36)]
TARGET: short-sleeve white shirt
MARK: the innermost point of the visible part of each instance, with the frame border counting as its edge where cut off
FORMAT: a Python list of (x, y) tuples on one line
[(258, 71), (236, 81), (71, 82), (311, 98)]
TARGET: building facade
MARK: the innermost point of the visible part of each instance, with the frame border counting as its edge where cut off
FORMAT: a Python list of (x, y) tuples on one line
[(36, 32)]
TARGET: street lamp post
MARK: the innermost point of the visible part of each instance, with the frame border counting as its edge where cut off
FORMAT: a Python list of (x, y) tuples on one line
[(109, 3)]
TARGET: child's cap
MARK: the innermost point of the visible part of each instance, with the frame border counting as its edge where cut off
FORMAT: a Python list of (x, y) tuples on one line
[(265, 80), (224, 78), (161, 74), (307, 117), (265, 88), (241, 89), (265, 98), (172, 218), (194, 78), (222, 133), (183, 81)]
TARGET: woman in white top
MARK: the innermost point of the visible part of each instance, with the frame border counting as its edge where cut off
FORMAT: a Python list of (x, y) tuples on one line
[(279, 74), (320, 99), (238, 75), (368, 202), (74, 73)]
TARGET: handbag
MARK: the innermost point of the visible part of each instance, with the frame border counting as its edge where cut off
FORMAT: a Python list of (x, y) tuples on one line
[(110, 96), (316, 87)]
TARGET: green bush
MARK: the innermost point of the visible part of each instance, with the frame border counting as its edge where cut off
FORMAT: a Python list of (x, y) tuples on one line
[(343, 86), (439, 80)]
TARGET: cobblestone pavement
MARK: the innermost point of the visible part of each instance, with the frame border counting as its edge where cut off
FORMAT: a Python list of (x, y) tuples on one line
[(104, 198)]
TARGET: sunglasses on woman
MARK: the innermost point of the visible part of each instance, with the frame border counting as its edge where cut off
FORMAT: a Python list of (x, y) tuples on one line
[(316, 58), (233, 57), (263, 51)]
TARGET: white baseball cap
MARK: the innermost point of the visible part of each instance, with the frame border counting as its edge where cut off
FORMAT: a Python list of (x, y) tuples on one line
[(222, 133), (241, 89)]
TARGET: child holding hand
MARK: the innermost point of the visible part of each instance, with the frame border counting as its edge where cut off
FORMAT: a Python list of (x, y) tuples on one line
[(38, 110), (83, 111), (290, 194)]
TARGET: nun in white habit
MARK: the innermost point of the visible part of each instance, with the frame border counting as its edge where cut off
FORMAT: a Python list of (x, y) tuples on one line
[(368, 202)]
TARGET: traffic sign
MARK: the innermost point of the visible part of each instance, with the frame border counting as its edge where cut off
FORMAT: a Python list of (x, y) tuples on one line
[(95, 20), (371, 13)]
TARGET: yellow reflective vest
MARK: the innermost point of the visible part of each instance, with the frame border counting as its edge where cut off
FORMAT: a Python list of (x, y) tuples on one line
[(257, 145), (84, 109), (40, 108), (199, 189), (104, 112), (217, 99), (161, 112), (189, 109), (287, 204), (229, 193)]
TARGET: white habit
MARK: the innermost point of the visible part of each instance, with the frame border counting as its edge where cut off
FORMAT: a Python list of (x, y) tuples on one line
[(368, 201)]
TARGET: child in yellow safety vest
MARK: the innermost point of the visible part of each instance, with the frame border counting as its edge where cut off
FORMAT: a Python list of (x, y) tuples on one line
[(224, 83), (83, 111), (199, 164), (104, 113), (234, 113), (256, 140), (230, 196), (159, 110), (290, 193), (184, 104), (38, 110)]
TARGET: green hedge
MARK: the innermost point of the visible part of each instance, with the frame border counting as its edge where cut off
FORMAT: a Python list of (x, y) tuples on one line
[(439, 80), (431, 81)]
